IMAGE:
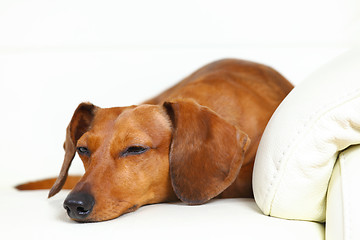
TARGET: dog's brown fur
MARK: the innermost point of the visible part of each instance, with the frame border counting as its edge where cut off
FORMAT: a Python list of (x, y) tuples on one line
[(196, 137)]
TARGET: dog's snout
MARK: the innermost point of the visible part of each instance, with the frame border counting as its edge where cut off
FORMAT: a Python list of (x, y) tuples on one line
[(79, 205)]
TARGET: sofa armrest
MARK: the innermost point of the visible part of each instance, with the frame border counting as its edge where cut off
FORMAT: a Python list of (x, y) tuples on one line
[(343, 197), (318, 120)]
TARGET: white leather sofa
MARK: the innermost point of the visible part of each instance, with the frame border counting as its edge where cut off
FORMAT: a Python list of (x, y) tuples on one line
[(56, 54)]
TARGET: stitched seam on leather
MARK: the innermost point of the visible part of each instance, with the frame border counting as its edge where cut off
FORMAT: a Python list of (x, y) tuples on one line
[(347, 194), (289, 150), (342, 158)]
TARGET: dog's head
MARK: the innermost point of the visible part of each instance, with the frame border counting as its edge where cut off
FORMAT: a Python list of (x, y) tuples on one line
[(147, 154)]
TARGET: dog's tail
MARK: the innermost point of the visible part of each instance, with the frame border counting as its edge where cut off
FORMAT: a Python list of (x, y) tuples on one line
[(48, 183)]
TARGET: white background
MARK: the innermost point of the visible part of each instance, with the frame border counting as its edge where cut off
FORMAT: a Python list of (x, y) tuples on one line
[(56, 54)]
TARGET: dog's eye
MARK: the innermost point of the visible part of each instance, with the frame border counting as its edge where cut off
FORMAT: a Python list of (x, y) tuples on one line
[(83, 151), (134, 150)]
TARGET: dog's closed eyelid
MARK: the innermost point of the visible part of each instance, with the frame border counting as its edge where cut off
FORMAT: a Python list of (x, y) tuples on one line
[(134, 150)]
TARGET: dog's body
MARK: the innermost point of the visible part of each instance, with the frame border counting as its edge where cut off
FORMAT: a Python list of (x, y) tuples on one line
[(192, 142)]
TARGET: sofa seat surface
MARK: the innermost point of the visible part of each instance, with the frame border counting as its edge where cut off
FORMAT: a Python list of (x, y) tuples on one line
[(30, 215)]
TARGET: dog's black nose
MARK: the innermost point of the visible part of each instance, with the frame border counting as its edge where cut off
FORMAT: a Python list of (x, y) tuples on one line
[(79, 205)]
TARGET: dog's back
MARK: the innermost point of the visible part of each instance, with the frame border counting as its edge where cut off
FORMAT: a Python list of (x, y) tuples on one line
[(244, 93)]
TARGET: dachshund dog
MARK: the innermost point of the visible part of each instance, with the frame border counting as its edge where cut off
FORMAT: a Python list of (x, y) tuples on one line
[(190, 143)]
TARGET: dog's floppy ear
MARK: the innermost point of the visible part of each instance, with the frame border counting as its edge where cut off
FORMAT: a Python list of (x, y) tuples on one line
[(78, 125), (206, 152)]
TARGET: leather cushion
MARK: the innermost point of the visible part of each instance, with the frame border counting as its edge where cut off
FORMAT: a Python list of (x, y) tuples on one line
[(298, 150)]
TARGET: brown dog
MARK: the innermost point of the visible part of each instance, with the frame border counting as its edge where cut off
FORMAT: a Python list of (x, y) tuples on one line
[(192, 143)]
